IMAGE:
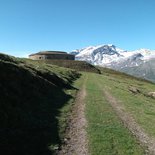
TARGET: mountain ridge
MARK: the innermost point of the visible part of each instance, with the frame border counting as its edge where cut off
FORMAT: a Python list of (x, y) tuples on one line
[(116, 58), (103, 55)]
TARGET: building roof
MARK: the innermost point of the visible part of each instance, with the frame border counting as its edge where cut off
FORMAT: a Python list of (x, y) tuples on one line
[(48, 53)]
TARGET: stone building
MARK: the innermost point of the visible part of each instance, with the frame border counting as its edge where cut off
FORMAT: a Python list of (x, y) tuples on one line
[(43, 55)]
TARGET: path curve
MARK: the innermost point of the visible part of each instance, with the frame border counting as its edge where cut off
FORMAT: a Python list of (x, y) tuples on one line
[(126, 118)]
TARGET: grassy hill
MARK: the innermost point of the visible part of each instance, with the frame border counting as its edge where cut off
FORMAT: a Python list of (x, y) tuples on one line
[(36, 99), (77, 65), (108, 133), (31, 96)]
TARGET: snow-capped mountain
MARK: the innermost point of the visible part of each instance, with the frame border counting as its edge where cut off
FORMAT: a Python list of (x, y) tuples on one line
[(139, 63), (98, 55), (113, 57)]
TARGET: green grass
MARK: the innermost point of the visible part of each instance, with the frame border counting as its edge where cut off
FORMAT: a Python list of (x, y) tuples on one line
[(73, 64), (34, 99), (139, 105), (107, 135)]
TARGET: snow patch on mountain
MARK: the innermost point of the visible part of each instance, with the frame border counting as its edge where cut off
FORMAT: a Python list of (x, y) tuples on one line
[(112, 56)]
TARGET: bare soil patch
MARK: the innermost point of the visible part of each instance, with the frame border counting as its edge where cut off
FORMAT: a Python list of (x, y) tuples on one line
[(145, 140)]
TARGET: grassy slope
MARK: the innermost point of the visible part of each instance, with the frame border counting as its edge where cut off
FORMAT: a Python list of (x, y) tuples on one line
[(34, 109), (139, 105), (77, 65), (33, 105), (107, 135)]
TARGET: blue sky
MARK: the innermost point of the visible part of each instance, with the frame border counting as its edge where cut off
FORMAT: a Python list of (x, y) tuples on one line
[(28, 26)]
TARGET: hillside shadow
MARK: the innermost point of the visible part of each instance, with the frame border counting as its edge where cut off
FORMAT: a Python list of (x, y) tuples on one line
[(29, 106)]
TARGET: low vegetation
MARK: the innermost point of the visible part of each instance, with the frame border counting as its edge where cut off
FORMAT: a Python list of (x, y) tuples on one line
[(33, 97), (77, 65), (140, 104), (106, 133), (37, 97)]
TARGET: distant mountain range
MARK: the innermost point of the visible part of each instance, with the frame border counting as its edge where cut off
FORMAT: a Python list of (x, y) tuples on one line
[(140, 63)]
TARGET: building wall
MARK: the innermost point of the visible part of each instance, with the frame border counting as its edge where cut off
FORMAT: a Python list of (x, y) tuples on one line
[(37, 57), (52, 56)]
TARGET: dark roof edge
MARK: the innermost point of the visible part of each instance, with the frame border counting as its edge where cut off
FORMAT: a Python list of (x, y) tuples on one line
[(49, 52)]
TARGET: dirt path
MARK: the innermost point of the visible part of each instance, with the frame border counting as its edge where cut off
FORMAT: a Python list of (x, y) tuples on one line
[(130, 123), (76, 139)]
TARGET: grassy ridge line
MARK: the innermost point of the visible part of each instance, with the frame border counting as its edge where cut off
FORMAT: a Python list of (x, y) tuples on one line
[(76, 65), (107, 135), (40, 68)]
